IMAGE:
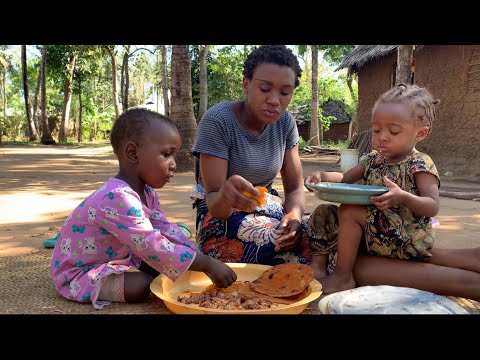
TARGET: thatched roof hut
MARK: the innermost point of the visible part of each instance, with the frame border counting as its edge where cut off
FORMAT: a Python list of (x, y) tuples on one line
[(338, 109), (363, 54), (452, 74)]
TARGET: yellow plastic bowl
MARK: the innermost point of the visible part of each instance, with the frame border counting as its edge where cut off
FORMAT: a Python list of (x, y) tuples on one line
[(168, 291)]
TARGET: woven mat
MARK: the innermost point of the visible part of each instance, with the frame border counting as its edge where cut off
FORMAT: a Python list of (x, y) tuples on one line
[(28, 289)]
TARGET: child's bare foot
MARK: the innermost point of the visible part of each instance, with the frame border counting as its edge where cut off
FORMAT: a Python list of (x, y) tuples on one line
[(337, 282), (318, 273), (319, 265)]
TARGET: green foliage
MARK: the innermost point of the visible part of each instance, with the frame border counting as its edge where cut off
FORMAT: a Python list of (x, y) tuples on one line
[(301, 143), (143, 73), (330, 86), (224, 73), (92, 79), (340, 144), (97, 125), (334, 54), (329, 89)]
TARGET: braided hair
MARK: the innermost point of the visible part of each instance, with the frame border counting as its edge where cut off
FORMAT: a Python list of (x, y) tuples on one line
[(275, 54), (421, 99)]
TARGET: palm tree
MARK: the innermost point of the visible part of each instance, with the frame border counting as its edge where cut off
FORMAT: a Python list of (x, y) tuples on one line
[(112, 52), (316, 131), (182, 105), (202, 107), (46, 138), (165, 80), (32, 131), (5, 62), (67, 95)]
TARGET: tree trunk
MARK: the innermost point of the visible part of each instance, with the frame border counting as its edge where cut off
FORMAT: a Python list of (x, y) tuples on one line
[(80, 108), (46, 138), (35, 100), (203, 82), (111, 51), (182, 105), (314, 123), (353, 121), (122, 81), (125, 83), (32, 131), (404, 64), (4, 103), (67, 99), (157, 80), (165, 80)]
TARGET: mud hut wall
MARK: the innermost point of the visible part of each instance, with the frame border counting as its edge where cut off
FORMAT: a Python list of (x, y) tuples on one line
[(374, 79), (337, 131), (452, 74)]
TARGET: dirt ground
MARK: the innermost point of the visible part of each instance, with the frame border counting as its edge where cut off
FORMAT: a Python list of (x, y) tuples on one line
[(40, 185)]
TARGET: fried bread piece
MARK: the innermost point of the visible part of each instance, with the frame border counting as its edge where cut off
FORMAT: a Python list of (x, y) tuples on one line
[(283, 280)]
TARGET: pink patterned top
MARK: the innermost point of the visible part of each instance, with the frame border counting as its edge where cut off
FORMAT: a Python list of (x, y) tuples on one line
[(111, 231)]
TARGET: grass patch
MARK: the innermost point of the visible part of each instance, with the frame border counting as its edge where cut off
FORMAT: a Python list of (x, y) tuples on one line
[(327, 144)]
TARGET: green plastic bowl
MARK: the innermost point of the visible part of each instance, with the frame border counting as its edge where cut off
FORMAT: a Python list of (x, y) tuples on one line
[(355, 194)]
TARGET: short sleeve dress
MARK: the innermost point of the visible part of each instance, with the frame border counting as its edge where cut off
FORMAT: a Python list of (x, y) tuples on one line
[(398, 232)]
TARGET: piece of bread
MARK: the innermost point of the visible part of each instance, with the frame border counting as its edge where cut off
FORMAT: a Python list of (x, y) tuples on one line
[(283, 280)]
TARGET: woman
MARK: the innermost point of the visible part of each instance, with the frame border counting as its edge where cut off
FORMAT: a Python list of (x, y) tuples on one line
[(243, 144)]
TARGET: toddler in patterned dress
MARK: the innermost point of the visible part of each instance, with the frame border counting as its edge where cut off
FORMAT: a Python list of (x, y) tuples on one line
[(398, 224)]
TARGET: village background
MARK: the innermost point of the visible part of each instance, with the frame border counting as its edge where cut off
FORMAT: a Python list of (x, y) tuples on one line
[(57, 104)]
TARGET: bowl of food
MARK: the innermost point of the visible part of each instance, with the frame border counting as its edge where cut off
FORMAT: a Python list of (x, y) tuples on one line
[(356, 194), (194, 293)]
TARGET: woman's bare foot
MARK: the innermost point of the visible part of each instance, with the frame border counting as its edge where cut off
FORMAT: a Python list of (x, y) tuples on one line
[(337, 282)]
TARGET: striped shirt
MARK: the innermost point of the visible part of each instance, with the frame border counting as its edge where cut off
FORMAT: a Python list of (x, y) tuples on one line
[(257, 158)]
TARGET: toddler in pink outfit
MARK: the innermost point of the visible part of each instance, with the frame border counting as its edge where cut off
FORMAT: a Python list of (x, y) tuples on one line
[(120, 226)]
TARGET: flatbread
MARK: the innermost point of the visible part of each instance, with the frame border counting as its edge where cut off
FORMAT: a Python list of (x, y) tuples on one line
[(384, 299), (284, 280)]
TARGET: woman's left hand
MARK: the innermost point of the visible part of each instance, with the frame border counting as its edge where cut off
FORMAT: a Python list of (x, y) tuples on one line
[(291, 229)]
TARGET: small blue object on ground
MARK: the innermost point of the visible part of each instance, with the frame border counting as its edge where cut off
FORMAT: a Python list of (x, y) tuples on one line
[(50, 243), (185, 229)]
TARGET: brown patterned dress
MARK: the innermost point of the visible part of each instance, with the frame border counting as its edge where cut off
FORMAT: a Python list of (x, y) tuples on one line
[(397, 232)]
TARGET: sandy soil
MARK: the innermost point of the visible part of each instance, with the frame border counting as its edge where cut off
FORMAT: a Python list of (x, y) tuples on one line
[(39, 186)]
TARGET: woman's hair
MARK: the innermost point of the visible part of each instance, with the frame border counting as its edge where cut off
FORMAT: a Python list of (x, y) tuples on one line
[(275, 54), (422, 102), (133, 124)]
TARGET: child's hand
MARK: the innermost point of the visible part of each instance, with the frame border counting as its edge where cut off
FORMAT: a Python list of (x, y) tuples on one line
[(220, 274), (313, 179), (392, 198)]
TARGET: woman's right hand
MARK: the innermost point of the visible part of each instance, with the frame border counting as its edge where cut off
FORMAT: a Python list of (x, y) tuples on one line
[(231, 193), (313, 178)]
